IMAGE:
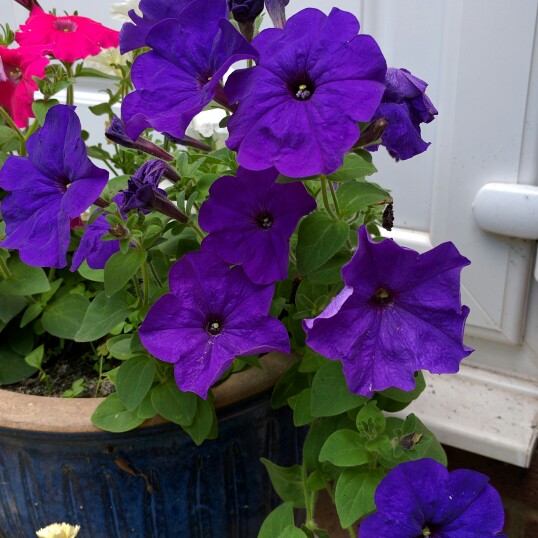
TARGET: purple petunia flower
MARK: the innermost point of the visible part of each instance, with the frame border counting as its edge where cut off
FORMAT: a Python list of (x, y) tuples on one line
[(405, 105), (250, 220), (212, 315), (314, 81), (143, 191), (245, 10), (133, 35), (421, 498), (181, 75), (54, 184), (92, 249), (399, 312)]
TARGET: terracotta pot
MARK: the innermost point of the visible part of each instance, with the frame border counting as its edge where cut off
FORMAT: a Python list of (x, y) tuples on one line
[(151, 482)]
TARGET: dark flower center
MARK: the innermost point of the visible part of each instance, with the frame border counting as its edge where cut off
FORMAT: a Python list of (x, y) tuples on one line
[(65, 25), (264, 220), (214, 326), (302, 88), (382, 297), (14, 73)]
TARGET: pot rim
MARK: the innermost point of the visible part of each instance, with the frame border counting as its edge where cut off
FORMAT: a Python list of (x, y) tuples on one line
[(73, 415)]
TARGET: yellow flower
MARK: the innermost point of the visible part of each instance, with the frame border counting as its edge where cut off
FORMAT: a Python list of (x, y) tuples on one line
[(59, 530)]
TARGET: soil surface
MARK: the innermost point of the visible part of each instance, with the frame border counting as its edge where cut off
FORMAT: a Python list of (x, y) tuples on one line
[(62, 372)]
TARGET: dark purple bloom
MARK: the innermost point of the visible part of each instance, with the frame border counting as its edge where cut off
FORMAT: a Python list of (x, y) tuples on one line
[(143, 192), (92, 248), (133, 36), (245, 10), (54, 184), (277, 11), (405, 106), (421, 499), (181, 75), (250, 220), (314, 81), (117, 133), (399, 312), (212, 315)]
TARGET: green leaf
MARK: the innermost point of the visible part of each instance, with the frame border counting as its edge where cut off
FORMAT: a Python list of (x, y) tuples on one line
[(6, 134), (393, 400), (35, 358), (344, 448), (90, 72), (370, 421), (103, 314), (10, 307), (41, 107), (111, 415), (319, 239), (95, 275), (31, 313), (134, 379), (100, 109), (54, 287), (145, 409), (13, 367), (356, 165), (201, 427), (357, 196), (287, 482), (290, 384), (301, 410), (24, 279), (174, 405), (120, 268), (277, 521), (120, 346), (354, 494), (315, 481), (331, 272), (63, 318), (330, 395), (22, 341)]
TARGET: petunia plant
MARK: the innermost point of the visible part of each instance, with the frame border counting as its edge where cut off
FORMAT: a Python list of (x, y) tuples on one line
[(172, 262)]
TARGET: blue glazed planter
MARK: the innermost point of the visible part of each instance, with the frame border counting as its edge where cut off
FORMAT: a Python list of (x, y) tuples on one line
[(151, 482)]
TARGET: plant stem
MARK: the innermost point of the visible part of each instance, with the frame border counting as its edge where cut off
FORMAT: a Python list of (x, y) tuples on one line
[(326, 198), (70, 97), (196, 229), (145, 280), (307, 498), (351, 532), (4, 269), (137, 287), (7, 118), (335, 199), (154, 275)]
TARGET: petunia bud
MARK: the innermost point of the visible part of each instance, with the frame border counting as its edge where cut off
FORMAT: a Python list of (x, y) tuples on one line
[(245, 10), (28, 4), (277, 11), (116, 133), (388, 217)]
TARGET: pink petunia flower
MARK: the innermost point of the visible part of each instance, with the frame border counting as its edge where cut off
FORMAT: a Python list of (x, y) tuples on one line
[(67, 38), (17, 86)]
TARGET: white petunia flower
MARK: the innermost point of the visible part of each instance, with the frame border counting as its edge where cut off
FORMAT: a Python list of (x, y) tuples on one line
[(120, 10), (59, 530)]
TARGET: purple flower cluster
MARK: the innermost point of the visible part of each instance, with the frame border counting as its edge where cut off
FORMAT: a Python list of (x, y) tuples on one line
[(250, 220), (213, 314), (183, 71), (54, 184), (319, 75), (405, 106), (422, 499), (399, 312)]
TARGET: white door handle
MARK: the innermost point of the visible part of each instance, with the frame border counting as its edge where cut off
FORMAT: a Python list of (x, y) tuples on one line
[(507, 209)]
